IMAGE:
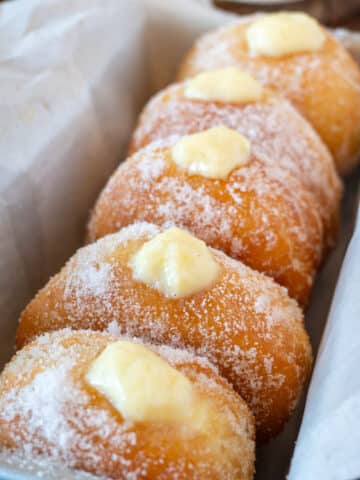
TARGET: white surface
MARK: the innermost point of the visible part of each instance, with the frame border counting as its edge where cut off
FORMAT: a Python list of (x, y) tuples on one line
[(329, 442), (70, 91), (73, 74)]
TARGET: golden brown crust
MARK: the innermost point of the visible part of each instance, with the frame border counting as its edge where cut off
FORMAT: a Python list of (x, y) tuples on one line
[(48, 409), (324, 85), (260, 214), (279, 135), (245, 324)]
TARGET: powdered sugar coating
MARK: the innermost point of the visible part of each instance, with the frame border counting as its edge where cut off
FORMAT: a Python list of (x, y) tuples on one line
[(245, 323), (279, 135), (261, 214), (47, 411), (324, 85)]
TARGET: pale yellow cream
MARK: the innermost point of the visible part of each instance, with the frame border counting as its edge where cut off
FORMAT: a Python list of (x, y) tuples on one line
[(284, 33), (141, 385), (224, 85), (214, 153), (175, 263)]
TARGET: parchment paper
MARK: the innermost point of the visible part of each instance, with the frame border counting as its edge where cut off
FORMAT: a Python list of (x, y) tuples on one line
[(72, 80), (73, 75)]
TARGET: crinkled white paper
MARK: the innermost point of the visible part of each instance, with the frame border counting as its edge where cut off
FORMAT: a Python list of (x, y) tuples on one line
[(329, 442), (72, 80), (73, 75)]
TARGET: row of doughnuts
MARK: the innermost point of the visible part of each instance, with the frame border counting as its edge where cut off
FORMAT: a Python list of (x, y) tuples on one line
[(160, 347), (243, 322), (291, 54)]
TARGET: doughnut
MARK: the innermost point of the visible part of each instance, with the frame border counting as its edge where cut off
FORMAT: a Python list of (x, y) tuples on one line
[(259, 213), (77, 399), (293, 55), (278, 133), (167, 287)]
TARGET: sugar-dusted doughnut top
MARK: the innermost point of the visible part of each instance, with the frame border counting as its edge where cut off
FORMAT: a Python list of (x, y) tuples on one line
[(229, 84), (49, 414), (278, 135), (213, 153), (259, 214), (284, 33), (175, 263)]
